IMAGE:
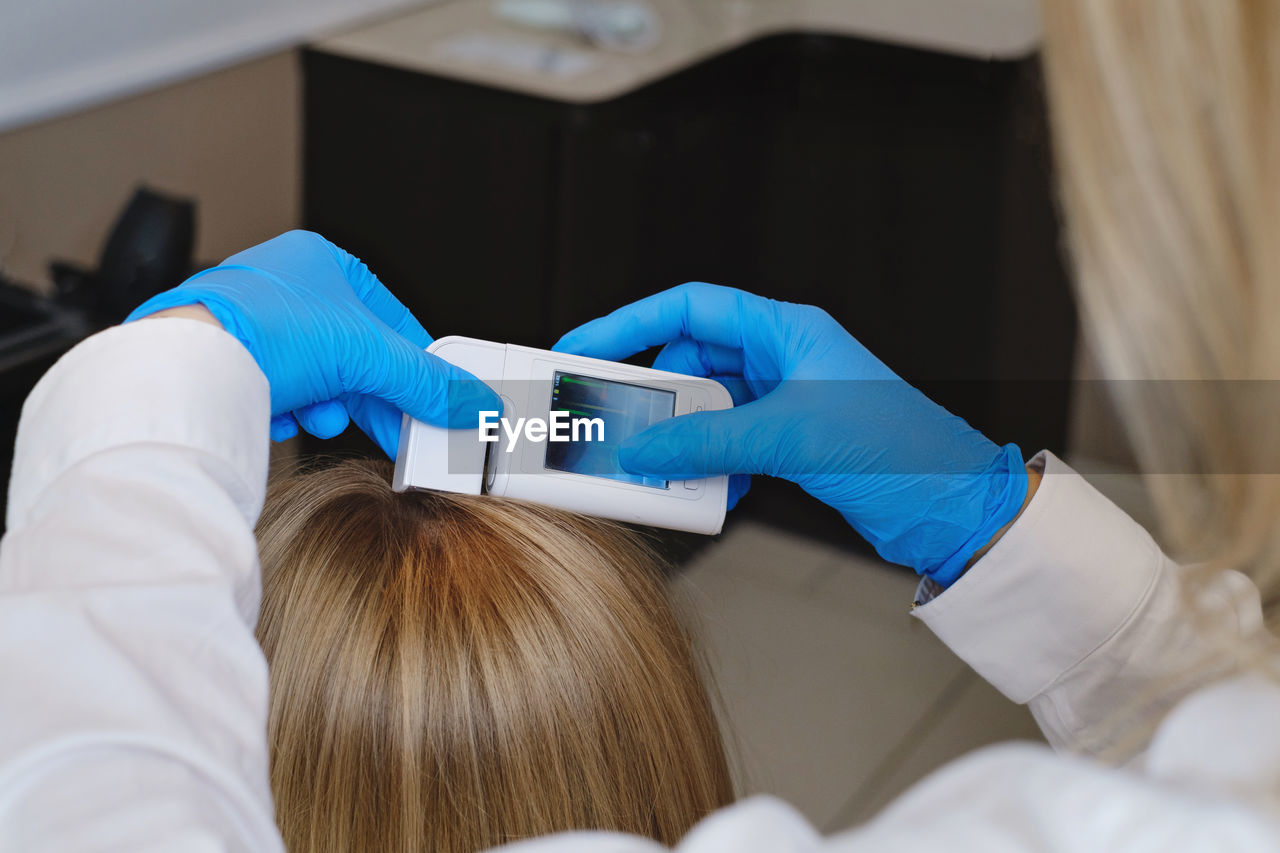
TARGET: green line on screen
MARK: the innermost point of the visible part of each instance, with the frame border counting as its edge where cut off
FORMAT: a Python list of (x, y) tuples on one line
[(589, 383)]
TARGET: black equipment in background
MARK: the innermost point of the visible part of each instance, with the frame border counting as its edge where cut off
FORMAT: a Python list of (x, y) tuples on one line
[(149, 250)]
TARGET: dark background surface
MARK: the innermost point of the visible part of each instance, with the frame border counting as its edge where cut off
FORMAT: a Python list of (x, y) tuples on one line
[(906, 192)]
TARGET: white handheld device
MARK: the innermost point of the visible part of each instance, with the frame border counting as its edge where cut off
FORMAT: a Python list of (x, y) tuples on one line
[(557, 439)]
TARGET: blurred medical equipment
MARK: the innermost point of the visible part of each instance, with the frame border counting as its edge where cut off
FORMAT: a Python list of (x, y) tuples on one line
[(631, 26), (149, 250)]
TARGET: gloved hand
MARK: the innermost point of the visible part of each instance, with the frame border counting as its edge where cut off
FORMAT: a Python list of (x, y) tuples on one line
[(926, 489), (335, 345)]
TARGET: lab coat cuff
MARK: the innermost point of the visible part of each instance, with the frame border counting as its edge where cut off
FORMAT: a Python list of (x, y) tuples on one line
[(169, 381), (1070, 573)]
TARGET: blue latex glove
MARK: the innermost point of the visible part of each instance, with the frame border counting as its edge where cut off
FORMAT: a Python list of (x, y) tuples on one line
[(925, 488), (334, 343)]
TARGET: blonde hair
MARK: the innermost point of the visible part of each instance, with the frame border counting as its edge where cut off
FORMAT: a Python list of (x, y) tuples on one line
[(452, 672), (1167, 132)]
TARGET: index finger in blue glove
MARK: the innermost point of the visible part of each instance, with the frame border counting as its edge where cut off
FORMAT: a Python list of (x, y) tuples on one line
[(704, 444), (704, 312), (423, 385)]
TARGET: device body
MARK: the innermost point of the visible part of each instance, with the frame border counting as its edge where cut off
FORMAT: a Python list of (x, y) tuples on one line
[(597, 404)]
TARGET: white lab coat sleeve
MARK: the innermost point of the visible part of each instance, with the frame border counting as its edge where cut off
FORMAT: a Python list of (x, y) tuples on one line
[(1077, 612), (132, 693)]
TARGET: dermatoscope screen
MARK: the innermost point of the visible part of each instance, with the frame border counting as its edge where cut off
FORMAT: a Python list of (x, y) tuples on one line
[(623, 408)]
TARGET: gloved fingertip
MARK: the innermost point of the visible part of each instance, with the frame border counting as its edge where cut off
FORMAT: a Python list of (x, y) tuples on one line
[(283, 427), (644, 455), (570, 343), (323, 420), (467, 399)]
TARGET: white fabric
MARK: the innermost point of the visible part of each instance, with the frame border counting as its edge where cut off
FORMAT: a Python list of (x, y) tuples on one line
[(133, 706)]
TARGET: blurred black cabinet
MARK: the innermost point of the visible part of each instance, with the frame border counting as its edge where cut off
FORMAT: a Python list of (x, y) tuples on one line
[(906, 192)]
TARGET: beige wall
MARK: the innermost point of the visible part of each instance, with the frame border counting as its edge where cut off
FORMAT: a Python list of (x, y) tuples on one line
[(230, 139)]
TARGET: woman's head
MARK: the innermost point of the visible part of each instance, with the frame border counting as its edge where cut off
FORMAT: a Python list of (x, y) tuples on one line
[(452, 672)]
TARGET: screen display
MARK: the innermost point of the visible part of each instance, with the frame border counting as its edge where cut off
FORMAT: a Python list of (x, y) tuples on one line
[(602, 414)]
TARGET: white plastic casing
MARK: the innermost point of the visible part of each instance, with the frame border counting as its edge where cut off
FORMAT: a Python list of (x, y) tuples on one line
[(455, 460)]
